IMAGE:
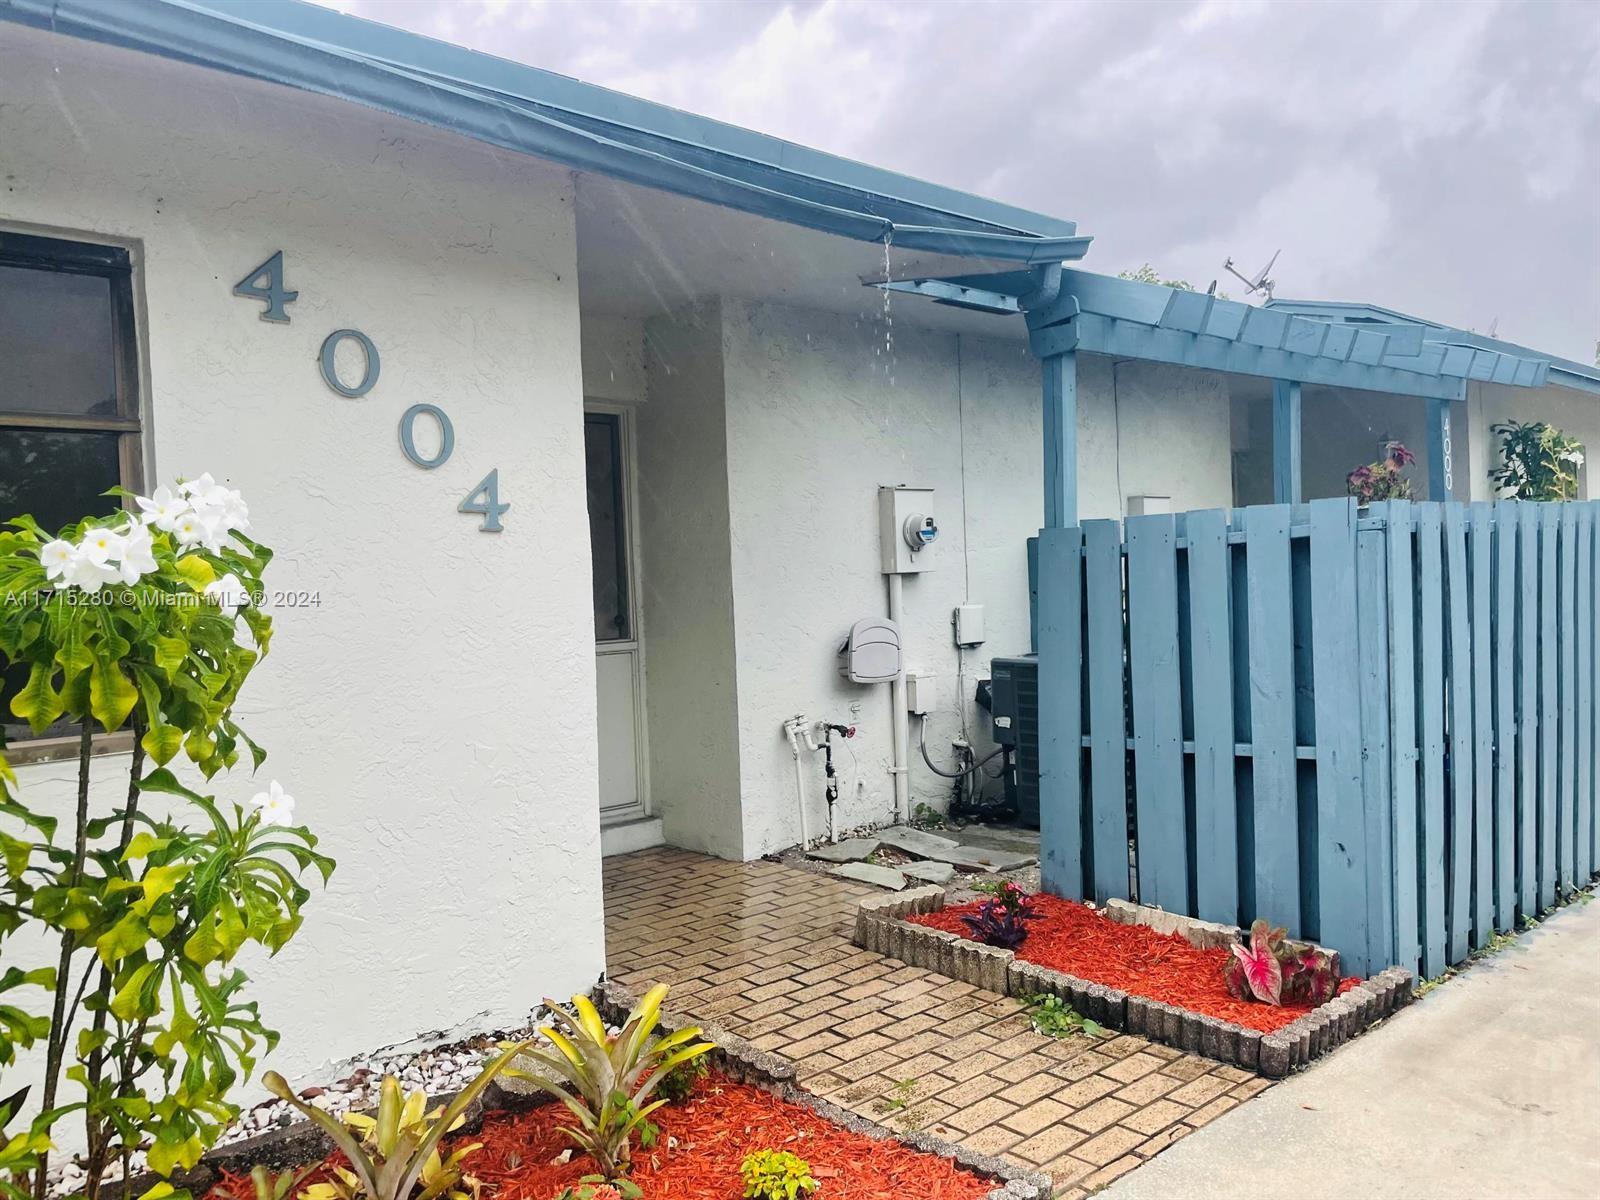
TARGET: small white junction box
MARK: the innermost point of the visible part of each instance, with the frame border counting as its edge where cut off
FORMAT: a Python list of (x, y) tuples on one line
[(919, 691), (967, 621)]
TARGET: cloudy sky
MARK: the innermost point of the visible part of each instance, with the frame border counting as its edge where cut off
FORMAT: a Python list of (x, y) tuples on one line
[(1438, 158)]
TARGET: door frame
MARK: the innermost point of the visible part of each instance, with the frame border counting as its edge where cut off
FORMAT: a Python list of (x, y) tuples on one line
[(634, 646)]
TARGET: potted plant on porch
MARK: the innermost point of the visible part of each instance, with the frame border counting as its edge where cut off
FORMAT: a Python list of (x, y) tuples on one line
[(1384, 479)]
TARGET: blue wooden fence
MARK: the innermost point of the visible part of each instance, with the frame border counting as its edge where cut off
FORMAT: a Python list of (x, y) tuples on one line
[(1377, 728)]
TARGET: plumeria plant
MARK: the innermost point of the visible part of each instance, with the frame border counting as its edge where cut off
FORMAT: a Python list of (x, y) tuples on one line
[(144, 620), (1538, 461)]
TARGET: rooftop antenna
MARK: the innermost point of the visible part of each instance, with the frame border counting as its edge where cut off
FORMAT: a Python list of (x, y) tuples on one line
[(1262, 282), (1494, 327)]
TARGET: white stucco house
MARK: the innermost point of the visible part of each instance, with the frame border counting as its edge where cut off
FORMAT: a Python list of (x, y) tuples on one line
[(655, 338)]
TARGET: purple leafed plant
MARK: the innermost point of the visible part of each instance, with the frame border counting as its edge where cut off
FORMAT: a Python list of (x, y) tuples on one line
[(999, 920), (1272, 971)]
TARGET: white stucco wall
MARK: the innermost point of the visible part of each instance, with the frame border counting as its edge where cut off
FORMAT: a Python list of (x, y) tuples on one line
[(686, 585), (815, 425), (613, 358), (434, 716)]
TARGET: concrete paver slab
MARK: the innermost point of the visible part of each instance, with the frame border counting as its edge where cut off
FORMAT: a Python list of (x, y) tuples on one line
[(1487, 1089)]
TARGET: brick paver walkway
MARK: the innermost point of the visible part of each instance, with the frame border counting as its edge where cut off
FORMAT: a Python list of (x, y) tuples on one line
[(764, 951)]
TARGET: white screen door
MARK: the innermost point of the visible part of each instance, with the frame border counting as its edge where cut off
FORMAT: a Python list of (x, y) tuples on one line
[(618, 674)]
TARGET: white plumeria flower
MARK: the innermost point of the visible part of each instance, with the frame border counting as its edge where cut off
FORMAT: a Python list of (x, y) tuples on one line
[(199, 486), (230, 595), (138, 554), (275, 805), (162, 508), (235, 512), (100, 546), (57, 558), (195, 529), (88, 574)]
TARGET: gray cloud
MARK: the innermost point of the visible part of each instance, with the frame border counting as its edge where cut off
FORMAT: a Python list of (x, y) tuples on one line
[(1441, 159)]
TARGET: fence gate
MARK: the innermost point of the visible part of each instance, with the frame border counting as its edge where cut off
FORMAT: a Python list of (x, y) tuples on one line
[(1378, 728)]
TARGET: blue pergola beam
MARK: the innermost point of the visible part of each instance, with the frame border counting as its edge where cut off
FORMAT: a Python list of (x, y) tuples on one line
[(1130, 339), (1286, 446)]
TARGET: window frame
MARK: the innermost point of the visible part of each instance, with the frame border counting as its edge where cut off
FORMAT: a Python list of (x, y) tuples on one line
[(116, 262)]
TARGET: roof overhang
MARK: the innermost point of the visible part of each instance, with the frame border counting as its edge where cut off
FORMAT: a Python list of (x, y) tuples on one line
[(536, 112)]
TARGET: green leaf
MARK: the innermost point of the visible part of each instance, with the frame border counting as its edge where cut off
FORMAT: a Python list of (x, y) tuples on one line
[(111, 694), (143, 845), (129, 1003), (157, 882), (38, 703), (169, 654), (126, 937), (162, 743), (16, 854), (203, 948), (196, 570)]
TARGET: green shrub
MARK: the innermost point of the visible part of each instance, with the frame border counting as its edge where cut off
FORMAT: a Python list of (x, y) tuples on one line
[(776, 1175)]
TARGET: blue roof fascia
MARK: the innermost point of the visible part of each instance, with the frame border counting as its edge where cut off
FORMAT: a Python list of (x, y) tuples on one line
[(1562, 372), (536, 112)]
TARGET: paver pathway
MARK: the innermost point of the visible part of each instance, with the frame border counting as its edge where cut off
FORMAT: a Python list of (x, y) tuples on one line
[(764, 950), (1488, 1089)]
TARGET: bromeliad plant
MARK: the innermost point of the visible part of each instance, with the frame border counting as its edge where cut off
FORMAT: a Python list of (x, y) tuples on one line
[(1273, 970), (999, 919), (398, 1149), (1538, 461), (146, 621), (611, 1075)]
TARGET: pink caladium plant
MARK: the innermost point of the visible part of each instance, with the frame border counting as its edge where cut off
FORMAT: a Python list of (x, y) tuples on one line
[(1257, 968), (1273, 971)]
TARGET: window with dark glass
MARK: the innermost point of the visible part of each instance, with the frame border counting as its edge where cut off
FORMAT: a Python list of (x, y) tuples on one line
[(608, 530), (69, 399)]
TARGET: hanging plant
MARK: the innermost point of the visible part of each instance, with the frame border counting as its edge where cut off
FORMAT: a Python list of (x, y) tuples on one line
[(1539, 462)]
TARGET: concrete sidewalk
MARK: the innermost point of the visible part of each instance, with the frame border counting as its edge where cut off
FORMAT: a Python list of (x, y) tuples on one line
[(1487, 1088)]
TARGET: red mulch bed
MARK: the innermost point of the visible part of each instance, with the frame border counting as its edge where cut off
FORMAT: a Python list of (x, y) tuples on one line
[(1077, 940), (703, 1141)]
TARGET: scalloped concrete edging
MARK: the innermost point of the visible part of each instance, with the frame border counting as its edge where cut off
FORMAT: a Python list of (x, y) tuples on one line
[(744, 1063), (882, 928)]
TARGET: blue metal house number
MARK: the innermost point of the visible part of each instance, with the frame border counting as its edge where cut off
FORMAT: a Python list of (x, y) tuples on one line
[(265, 283)]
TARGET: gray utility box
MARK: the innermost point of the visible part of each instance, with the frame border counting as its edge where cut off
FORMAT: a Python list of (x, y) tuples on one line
[(1014, 688)]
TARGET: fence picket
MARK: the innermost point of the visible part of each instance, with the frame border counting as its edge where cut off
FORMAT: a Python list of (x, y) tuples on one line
[(1431, 681), (1505, 715), (1108, 729), (1480, 533), (1377, 796), (1458, 721), (1567, 742), (1275, 804), (1340, 833), (1549, 696), (1528, 709), (1583, 620), (1061, 712), (1211, 672), (1159, 808), (1404, 735)]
